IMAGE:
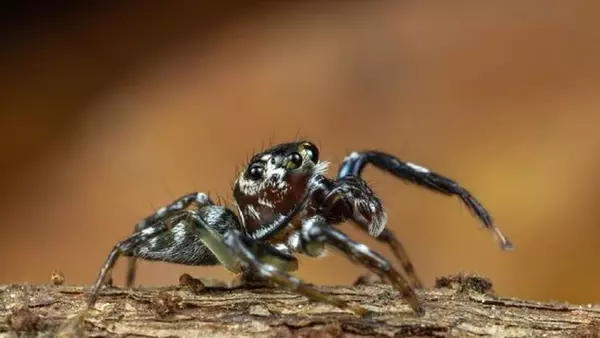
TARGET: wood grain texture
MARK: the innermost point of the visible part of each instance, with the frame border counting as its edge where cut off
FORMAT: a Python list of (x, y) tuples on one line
[(459, 306)]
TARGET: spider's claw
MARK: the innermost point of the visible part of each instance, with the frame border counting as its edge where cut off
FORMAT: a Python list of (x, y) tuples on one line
[(505, 243), (406, 291)]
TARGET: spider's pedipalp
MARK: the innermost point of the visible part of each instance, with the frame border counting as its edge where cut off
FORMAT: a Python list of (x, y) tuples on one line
[(351, 196)]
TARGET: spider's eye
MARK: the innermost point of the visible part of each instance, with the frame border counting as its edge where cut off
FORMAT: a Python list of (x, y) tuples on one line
[(311, 151), (255, 172), (294, 160)]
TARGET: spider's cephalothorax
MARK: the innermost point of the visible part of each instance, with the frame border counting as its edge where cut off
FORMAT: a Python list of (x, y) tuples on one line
[(286, 205), (274, 182)]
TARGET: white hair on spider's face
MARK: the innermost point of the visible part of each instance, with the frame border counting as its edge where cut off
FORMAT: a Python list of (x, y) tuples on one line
[(279, 170)]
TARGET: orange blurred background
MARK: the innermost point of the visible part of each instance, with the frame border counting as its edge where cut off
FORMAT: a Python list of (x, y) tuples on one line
[(111, 110)]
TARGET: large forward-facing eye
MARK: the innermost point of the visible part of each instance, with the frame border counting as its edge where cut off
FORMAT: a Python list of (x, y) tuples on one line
[(293, 161), (255, 172), (312, 152)]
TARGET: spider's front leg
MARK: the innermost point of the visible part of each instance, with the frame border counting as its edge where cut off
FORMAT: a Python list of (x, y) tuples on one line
[(351, 197), (410, 172), (197, 199), (316, 230), (232, 248), (247, 250)]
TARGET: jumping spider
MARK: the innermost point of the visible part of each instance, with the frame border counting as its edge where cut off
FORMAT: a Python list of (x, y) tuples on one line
[(284, 206)]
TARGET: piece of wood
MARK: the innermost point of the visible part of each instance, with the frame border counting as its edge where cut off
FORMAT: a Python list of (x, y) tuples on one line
[(458, 306)]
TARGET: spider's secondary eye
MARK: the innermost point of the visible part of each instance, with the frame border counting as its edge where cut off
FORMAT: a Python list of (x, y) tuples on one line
[(294, 160), (311, 151), (255, 172)]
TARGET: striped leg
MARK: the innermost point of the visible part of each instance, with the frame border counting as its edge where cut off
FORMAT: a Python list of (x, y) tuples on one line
[(365, 209), (247, 250), (316, 229), (410, 172)]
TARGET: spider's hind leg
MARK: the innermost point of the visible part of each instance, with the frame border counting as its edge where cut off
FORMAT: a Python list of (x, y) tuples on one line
[(184, 238), (124, 247), (219, 231)]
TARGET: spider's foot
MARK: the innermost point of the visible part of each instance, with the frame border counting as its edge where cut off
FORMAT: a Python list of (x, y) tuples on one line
[(503, 241)]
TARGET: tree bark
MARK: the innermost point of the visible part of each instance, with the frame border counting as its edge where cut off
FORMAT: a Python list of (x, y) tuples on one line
[(458, 306)]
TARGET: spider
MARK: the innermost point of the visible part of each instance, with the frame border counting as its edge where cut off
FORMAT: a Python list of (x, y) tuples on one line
[(285, 205)]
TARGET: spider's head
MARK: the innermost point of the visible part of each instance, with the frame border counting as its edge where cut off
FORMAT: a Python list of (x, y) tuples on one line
[(275, 180)]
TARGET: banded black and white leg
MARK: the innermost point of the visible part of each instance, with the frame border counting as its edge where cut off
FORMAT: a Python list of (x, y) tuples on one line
[(248, 249), (363, 207), (196, 199), (212, 234), (178, 239), (124, 247), (410, 172), (316, 231)]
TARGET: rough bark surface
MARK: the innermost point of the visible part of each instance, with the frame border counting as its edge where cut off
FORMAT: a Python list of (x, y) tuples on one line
[(459, 306)]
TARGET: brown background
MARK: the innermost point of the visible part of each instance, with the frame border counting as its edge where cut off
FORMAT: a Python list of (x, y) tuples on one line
[(109, 111)]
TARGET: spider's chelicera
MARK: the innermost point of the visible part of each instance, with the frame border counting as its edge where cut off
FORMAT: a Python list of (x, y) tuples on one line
[(285, 205)]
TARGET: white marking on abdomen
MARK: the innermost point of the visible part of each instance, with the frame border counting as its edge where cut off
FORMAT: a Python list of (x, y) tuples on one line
[(179, 233)]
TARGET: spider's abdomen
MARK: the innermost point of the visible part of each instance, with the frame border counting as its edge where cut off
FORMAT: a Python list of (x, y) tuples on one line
[(182, 244), (179, 245), (219, 217)]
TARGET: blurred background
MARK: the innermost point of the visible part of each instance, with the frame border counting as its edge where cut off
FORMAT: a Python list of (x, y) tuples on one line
[(111, 109)]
